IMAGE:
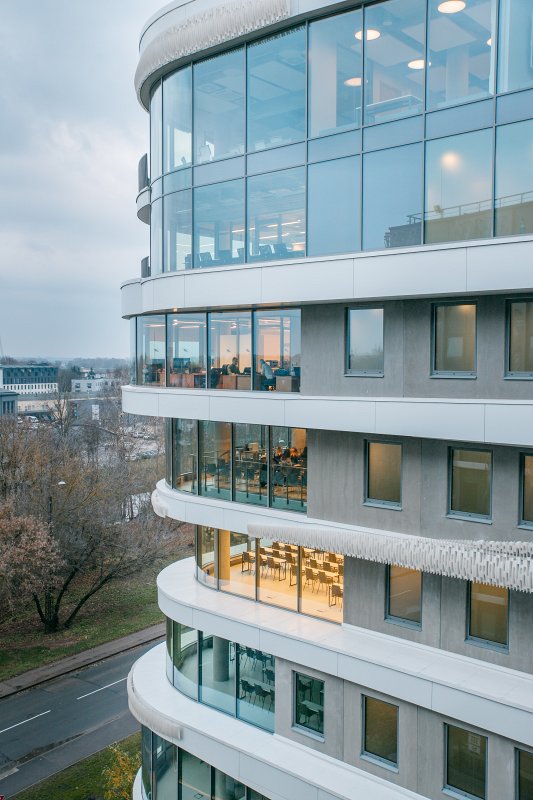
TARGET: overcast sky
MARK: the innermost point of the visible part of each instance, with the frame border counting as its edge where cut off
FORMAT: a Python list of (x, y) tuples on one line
[(71, 135)]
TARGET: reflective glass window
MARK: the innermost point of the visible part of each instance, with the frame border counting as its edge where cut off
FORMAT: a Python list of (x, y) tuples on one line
[(278, 583), (215, 459), (186, 350), (156, 237), (308, 703), (454, 338), (334, 206), (365, 341), (206, 544), (394, 59), (155, 132), (165, 766), (169, 660), (384, 473), (404, 594), (133, 351), (194, 777), (520, 359), (177, 119), (256, 689), (525, 775), (380, 735), (151, 350), (185, 658), (236, 563), (219, 107), (146, 749), (276, 89), (217, 672), (466, 761), (514, 178), (458, 202), (253, 795), (277, 350), (219, 224), (230, 350), (185, 449), (515, 67), (177, 233), (321, 582), (276, 215), (335, 74), (288, 468), (471, 472), (250, 463), (392, 218), (227, 788), (460, 52), (527, 489), (489, 612)]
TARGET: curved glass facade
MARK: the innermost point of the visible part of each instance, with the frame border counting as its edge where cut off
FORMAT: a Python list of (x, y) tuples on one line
[(282, 148)]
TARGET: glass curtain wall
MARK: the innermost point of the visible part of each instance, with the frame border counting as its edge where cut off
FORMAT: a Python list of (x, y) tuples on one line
[(514, 58), (288, 468), (237, 561), (177, 231), (217, 672), (250, 463), (230, 350), (256, 692), (520, 358), (165, 768), (333, 210), (277, 346), (156, 236), (276, 215), (206, 554), (133, 351), (186, 350), (177, 120), (219, 224), (215, 459), (514, 179), (194, 777), (156, 105), (185, 659), (185, 455), (151, 350)]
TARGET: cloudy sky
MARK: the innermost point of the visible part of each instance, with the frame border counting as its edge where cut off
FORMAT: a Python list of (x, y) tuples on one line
[(71, 134)]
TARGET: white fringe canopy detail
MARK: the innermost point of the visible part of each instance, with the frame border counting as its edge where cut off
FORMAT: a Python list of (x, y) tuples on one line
[(208, 29), (507, 564)]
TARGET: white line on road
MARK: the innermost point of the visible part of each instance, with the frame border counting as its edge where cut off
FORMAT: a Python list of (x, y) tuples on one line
[(99, 690), (25, 720)]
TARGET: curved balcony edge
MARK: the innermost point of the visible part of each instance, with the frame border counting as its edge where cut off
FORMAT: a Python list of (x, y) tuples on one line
[(136, 792), (256, 758), (143, 205), (507, 422)]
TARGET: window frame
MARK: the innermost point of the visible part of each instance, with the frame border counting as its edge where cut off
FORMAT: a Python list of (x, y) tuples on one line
[(517, 752), (453, 374), (476, 640), (369, 501), (361, 373), (522, 522), (296, 726), (452, 790), (391, 618), (467, 515), (509, 375), (393, 766)]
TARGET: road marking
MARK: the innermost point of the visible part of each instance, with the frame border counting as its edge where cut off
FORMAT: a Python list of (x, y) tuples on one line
[(100, 690), (6, 775), (25, 720)]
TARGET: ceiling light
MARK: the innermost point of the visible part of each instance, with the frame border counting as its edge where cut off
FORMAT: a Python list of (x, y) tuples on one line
[(418, 63), (451, 6), (371, 33), (489, 41), (355, 81)]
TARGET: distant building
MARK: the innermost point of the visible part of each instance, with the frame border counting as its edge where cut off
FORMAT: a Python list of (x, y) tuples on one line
[(29, 378), (8, 403), (88, 385)]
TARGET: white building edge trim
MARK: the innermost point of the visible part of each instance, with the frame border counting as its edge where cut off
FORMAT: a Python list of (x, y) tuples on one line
[(272, 765)]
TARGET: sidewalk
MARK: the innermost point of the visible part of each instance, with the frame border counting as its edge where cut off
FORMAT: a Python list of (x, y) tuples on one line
[(72, 663)]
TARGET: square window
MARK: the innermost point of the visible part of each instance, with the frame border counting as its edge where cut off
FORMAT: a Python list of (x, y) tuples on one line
[(380, 730), (525, 775), (384, 474), (404, 594), (471, 479), (520, 339), (309, 703), (454, 339), (466, 762), (526, 510), (488, 613), (365, 341)]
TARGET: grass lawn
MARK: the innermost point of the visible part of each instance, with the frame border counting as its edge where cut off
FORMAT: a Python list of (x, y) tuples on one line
[(83, 780), (121, 607)]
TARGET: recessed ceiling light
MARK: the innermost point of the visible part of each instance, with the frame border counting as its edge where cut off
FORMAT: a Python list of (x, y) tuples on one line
[(489, 41), (418, 63), (371, 34), (451, 6), (355, 81)]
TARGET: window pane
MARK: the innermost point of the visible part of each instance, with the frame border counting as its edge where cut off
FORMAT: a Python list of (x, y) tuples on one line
[(277, 574), (455, 338), (186, 344), (309, 703), (250, 463), (527, 499), (458, 202), (177, 234), (515, 70), (230, 350), (461, 64), (521, 337), (384, 472), (215, 459), (394, 59), (185, 446), (185, 654), (514, 178), (133, 351), (169, 659), (195, 777), (217, 673), (177, 119), (156, 237), (219, 224), (466, 761), (276, 215), (277, 350), (205, 554), (365, 341), (471, 482), (146, 750), (334, 206), (257, 693), (219, 107), (151, 350), (322, 582), (155, 133), (525, 775), (227, 788), (392, 218), (381, 729), (165, 764), (236, 563), (276, 89), (489, 607), (405, 594), (288, 468), (335, 74)]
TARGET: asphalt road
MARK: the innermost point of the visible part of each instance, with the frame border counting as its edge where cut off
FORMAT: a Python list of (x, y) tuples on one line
[(48, 728)]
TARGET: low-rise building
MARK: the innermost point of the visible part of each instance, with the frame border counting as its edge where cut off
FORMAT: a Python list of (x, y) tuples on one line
[(29, 378)]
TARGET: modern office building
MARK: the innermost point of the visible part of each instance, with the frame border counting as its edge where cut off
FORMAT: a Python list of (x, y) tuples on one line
[(8, 403), (29, 378), (336, 322)]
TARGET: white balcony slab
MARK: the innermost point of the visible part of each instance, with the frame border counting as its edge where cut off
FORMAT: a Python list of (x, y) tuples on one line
[(304, 281), (434, 420), (505, 268), (510, 425), (169, 291)]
